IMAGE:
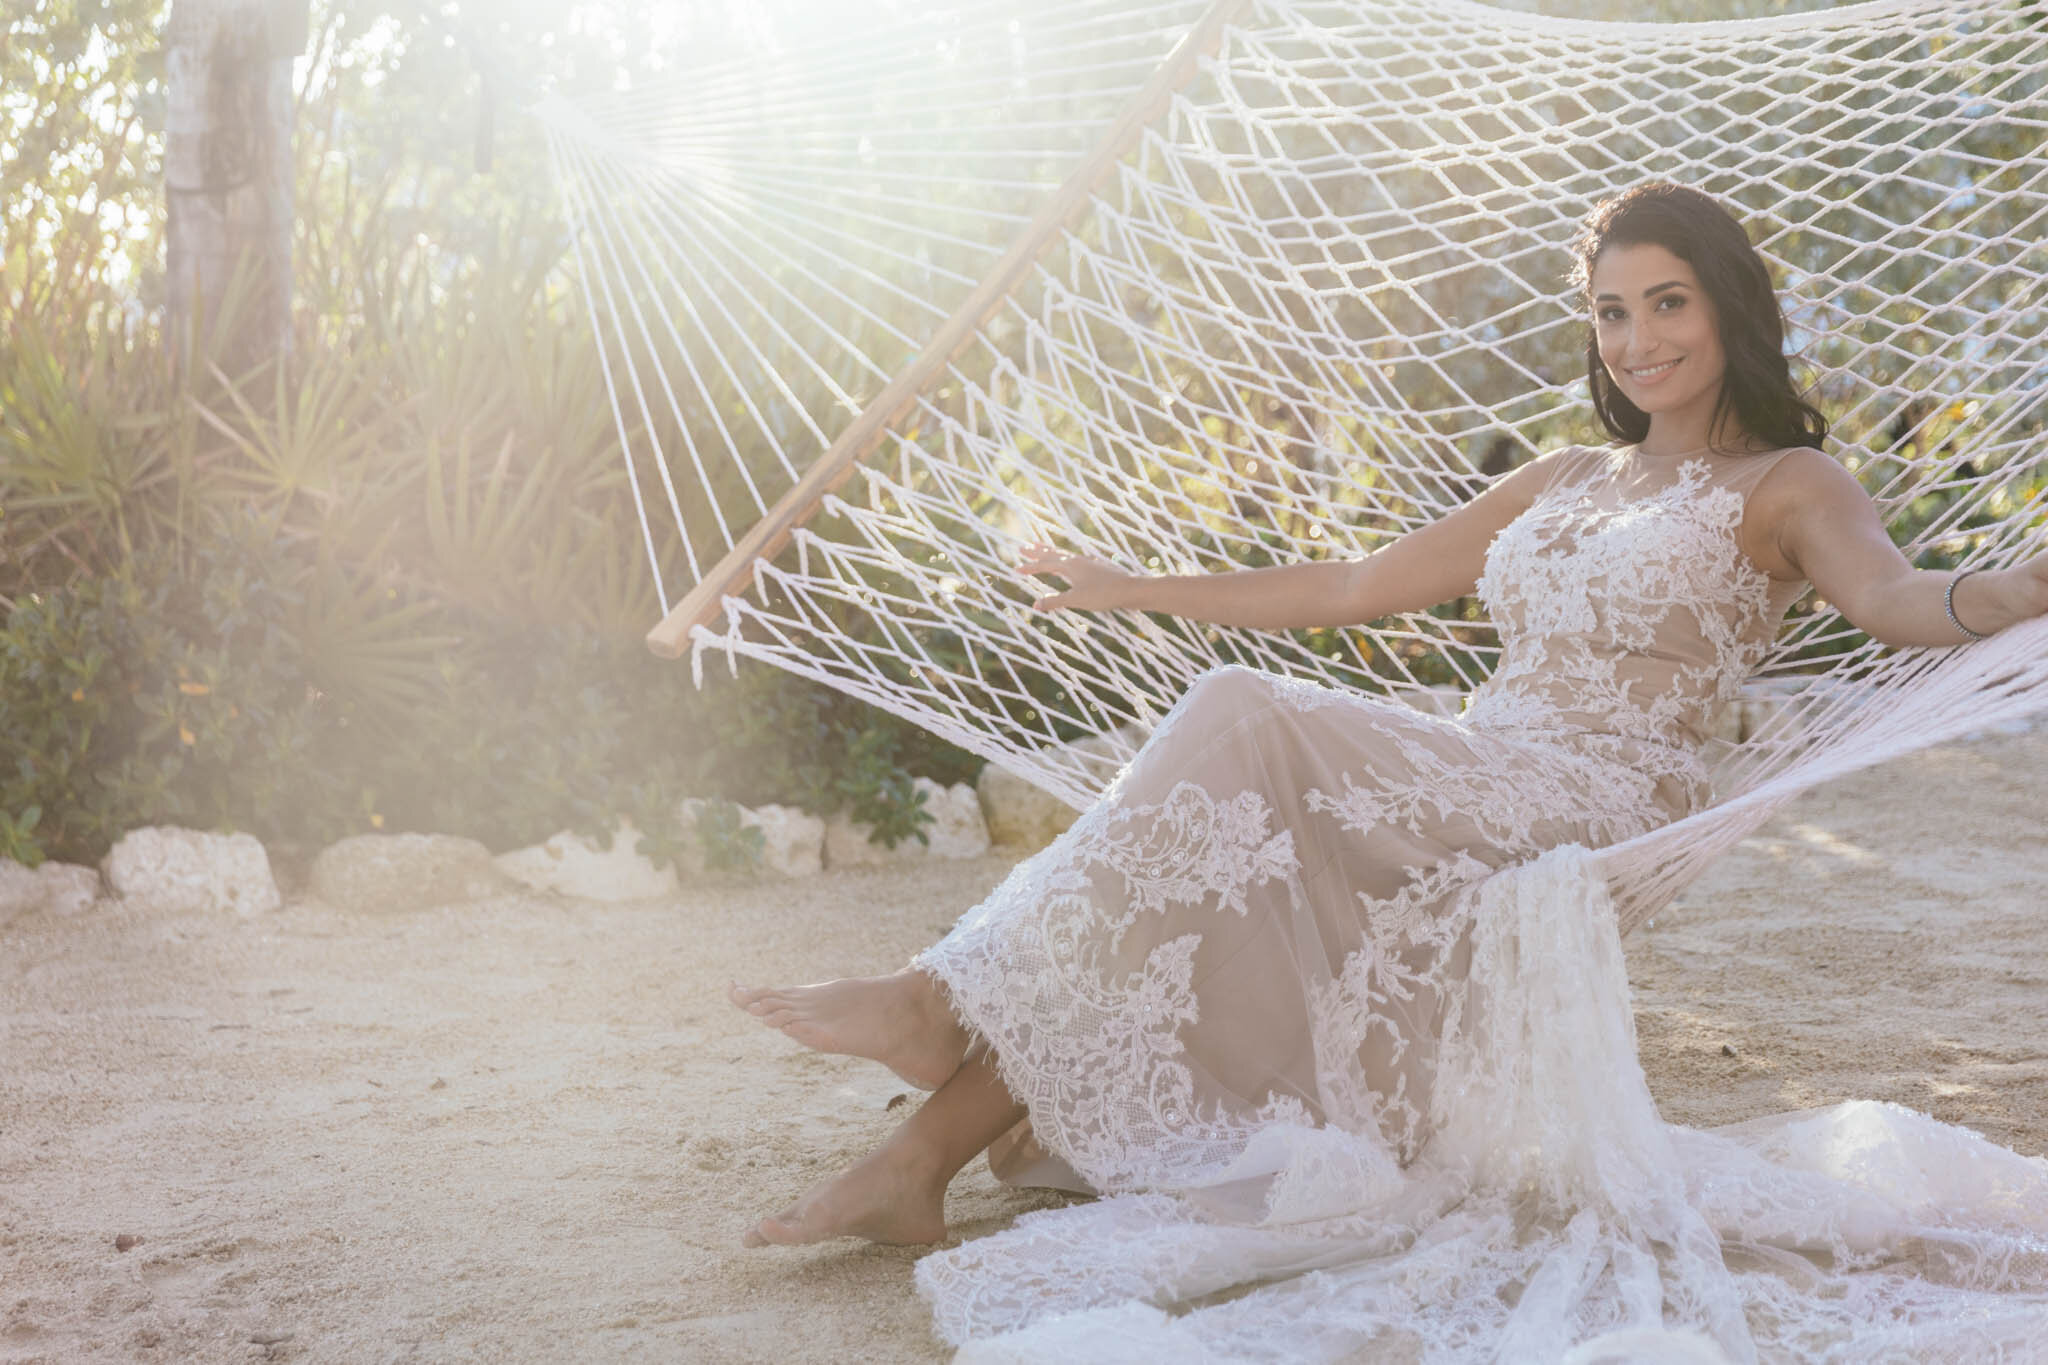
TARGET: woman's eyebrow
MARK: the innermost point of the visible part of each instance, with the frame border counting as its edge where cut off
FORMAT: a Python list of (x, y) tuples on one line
[(1653, 289)]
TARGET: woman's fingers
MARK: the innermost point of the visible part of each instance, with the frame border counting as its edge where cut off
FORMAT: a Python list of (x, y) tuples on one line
[(1038, 558), (1046, 563), (1085, 576)]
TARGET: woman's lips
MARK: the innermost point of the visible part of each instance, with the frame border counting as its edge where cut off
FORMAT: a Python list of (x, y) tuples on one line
[(1650, 375)]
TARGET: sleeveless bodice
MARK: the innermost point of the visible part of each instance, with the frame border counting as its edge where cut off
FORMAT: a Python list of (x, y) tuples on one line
[(1627, 610)]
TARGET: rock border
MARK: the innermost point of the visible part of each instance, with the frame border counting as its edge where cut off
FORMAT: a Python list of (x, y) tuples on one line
[(168, 869)]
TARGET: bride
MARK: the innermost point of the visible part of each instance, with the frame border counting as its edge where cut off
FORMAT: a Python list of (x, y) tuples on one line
[(1324, 995)]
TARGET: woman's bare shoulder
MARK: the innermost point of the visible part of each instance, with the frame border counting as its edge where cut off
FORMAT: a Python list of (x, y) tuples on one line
[(1807, 496), (1551, 466), (1803, 475)]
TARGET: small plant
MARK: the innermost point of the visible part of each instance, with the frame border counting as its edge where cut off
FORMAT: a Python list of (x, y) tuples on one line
[(726, 844), (17, 836), (878, 792), (665, 837)]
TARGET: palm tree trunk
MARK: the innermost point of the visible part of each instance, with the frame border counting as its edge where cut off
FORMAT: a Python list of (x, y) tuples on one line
[(228, 176)]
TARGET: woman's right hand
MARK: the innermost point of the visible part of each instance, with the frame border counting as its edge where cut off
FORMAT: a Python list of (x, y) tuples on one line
[(1093, 584)]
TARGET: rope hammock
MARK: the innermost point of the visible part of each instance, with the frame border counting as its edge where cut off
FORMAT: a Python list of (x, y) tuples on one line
[(1200, 287)]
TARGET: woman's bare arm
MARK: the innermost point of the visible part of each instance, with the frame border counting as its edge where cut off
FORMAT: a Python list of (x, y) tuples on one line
[(1432, 564), (1826, 528)]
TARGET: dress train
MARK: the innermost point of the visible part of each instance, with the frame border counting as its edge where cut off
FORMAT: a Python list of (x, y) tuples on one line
[(1553, 1216)]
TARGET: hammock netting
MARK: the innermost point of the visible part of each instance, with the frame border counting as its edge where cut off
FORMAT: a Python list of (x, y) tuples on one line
[(1312, 296)]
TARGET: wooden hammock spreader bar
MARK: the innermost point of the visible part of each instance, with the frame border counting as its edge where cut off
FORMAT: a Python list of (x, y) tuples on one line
[(735, 572)]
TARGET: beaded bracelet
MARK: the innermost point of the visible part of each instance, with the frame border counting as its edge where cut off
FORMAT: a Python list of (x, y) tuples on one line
[(1948, 602)]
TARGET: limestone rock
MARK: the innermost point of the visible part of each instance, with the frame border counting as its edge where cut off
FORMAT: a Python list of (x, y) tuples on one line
[(792, 842), (957, 829), (167, 870), (385, 873), (1020, 814), (572, 865), (67, 888), (59, 888), (20, 890)]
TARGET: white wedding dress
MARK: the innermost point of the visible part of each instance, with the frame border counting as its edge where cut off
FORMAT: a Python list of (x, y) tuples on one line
[(1325, 998)]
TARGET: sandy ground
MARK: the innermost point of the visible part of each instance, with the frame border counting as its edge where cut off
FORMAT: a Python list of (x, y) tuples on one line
[(530, 1130)]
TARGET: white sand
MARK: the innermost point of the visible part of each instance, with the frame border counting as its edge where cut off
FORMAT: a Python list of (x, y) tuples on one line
[(530, 1130)]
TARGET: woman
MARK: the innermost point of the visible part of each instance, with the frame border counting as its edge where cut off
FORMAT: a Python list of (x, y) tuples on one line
[(1288, 977)]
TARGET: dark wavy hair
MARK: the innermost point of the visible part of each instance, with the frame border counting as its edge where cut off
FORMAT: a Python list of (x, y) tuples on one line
[(1757, 390)]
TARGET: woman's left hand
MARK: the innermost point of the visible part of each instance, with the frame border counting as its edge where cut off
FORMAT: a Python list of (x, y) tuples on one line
[(2029, 586), (1093, 584)]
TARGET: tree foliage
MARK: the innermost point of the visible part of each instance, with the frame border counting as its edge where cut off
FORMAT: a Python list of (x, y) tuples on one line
[(422, 502)]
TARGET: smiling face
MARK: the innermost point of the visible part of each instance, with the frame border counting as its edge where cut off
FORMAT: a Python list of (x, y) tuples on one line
[(1660, 339)]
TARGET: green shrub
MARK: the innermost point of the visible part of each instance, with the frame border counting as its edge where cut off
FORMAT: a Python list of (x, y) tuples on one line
[(63, 702), (195, 688), (173, 692)]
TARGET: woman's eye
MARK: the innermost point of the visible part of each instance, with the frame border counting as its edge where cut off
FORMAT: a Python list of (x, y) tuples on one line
[(1610, 315), (1670, 301)]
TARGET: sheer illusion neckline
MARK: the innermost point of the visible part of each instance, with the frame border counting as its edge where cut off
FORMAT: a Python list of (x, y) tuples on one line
[(1696, 452), (1629, 476)]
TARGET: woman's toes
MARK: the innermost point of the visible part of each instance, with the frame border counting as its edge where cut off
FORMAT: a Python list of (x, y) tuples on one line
[(771, 1232), (782, 1229), (759, 1002)]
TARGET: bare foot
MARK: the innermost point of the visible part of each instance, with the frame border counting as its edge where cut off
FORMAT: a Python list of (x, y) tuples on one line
[(902, 1021), (888, 1197)]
